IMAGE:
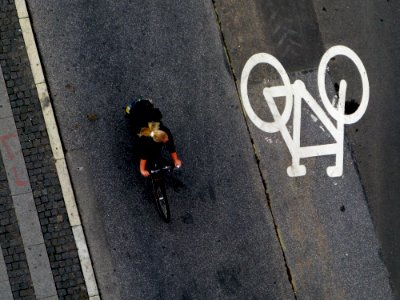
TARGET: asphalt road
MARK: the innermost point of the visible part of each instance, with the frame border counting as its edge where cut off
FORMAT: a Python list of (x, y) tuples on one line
[(370, 27), (221, 242), (223, 239), (324, 222)]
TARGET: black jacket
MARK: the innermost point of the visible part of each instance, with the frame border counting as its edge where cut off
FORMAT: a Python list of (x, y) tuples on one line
[(151, 150)]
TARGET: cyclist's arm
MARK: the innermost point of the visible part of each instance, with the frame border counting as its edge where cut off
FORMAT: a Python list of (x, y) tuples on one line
[(144, 150), (143, 170), (171, 148), (177, 161)]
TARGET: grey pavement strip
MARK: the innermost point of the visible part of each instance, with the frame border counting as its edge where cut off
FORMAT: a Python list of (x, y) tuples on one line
[(5, 109), (14, 162), (25, 209), (58, 154), (5, 288), (5, 112)]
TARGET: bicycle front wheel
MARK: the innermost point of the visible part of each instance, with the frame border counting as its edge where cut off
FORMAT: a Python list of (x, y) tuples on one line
[(160, 197)]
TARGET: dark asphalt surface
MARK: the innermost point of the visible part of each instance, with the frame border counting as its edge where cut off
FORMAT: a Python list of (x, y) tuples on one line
[(324, 222), (221, 242), (371, 28)]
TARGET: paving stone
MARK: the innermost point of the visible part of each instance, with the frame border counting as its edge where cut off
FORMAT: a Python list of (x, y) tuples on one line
[(12, 246), (40, 165)]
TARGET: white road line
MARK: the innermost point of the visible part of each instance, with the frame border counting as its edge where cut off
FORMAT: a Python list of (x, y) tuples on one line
[(62, 170)]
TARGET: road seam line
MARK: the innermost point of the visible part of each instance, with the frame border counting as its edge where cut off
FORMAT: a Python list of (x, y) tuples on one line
[(277, 231), (56, 146)]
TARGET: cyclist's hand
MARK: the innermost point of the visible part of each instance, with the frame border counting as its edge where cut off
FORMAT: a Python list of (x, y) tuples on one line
[(145, 173), (178, 163)]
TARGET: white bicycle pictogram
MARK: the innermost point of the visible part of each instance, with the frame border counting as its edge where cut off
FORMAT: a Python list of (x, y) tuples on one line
[(294, 94)]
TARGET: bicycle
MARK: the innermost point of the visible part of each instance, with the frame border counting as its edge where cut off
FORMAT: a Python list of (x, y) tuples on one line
[(158, 166), (159, 189)]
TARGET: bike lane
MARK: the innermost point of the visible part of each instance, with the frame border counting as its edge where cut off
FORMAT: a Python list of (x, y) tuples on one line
[(221, 242), (375, 139), (322, 222)]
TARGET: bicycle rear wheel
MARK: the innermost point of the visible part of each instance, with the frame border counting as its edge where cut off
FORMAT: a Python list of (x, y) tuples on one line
[(160, 197)]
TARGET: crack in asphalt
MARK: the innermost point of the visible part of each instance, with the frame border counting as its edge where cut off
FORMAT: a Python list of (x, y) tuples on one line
[(269, 201)]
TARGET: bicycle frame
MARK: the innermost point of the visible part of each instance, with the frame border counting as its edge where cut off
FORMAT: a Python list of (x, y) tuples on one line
[(159, 191)]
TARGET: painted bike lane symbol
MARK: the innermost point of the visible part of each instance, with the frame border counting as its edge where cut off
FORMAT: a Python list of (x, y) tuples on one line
[(294, 94)]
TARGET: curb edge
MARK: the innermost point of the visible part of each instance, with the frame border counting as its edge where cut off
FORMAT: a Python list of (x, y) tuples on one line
[(58, 154)]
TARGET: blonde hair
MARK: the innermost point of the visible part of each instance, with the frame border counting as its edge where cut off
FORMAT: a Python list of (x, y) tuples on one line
[(154, 132)]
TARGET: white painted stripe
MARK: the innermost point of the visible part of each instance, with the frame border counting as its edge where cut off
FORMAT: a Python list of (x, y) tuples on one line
[(5, 288), (68, 193), (319, 150), (22, 10), (56, 146), (85, 261), (313, 104), (31, 49), (51, 125)]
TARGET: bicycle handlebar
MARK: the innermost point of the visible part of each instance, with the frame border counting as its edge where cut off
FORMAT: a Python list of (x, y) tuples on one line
[(158, 170)]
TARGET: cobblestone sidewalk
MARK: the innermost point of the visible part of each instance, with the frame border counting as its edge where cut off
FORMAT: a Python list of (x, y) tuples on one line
[(39, 258)]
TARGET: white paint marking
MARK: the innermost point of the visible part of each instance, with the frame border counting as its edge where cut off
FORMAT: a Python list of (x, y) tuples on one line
[(58, 153), (335, 101), (22, 10), (294, 95), (31, 49), (314, 118), (335, 113), (51, 124), (269, 140), (283, 91), (68, 193), (86, 262)]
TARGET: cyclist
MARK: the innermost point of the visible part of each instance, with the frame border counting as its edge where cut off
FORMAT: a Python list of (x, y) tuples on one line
[(152, 139), (145, 121)]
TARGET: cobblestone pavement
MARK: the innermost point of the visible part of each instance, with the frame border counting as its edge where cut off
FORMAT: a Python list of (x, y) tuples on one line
[(33, 217)]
